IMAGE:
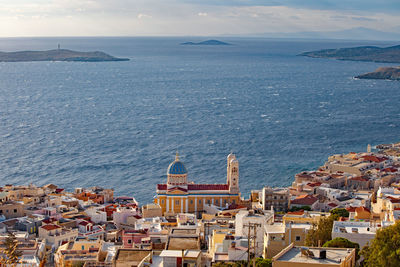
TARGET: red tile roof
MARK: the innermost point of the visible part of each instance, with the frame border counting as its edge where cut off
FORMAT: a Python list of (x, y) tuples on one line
[(197, 187), (208, 187), (314, 184), (49, 227), (84, 223), (49, 220), (177, 188), (390, 169), (359, 178), (299, 212), (374, 158), (304, 200), (361, 209), (394, 200), (161, 187), (351, 209)]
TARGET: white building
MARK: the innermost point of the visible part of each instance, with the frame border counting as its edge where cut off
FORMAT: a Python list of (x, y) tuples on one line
[(120, 216), (96, 215), (245, 218), (358, 232)]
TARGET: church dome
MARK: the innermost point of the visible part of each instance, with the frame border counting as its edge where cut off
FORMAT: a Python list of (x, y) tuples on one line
[(176, 167)]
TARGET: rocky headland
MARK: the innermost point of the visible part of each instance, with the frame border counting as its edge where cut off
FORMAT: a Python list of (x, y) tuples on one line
[(57, 55), (385, 73), (363, 53)]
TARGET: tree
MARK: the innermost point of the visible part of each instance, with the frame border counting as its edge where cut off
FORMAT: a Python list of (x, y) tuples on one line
[(260, 262), (320, 233), (10, 251), (384, 249), (340, 212), (340, 242), (300, 208), (231, 264)]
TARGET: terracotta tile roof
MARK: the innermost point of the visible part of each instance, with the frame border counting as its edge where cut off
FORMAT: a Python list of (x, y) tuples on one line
[(394, 200), (304, 200), (299, 212), (361, 209), (235, 206), (49, 220), (197, 187), (161, 187), (390, 169), (177, 188), (314, 184), (351, 209), (84, 223), (208, 187), (359, 178), (374, 158), (332, 205), (49, 227)]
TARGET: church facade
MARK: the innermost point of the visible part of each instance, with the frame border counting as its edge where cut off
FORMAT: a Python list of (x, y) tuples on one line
[(179, 196)]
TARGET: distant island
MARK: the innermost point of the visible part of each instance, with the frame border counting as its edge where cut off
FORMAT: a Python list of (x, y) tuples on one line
[(386, 73), (208, 42), (362, 53), (57, 55)]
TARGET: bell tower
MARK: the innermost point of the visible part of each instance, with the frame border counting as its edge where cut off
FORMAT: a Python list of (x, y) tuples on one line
[(232, 175)]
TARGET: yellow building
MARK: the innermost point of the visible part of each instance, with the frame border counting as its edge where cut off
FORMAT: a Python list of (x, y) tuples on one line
[(178, 196), (293, 229)]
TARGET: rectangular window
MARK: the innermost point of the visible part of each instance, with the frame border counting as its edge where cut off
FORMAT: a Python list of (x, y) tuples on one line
[(199, 201), (297, 238), (177, 202), (15, 210), (191, 201), (162, 201), (129, 241)]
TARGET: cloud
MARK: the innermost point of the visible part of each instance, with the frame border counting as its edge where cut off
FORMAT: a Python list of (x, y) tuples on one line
[(143, 16), (185, 17), (364, 19)]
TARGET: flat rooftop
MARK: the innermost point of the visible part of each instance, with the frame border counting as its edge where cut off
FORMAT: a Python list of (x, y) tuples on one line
[(184, 231), (131, 254), (333, 256), (179, 243)]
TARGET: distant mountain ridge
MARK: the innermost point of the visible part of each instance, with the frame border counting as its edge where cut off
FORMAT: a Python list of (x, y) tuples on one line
[(359, 33), (208, 42), (363, 53), (57, 55)]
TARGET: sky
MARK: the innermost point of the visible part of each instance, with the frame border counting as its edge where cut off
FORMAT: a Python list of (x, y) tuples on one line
[(192, 17)]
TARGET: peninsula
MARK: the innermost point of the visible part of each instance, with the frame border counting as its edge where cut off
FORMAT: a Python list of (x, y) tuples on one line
[(363, 53), (208, 42), (385, 73), (57, 55)]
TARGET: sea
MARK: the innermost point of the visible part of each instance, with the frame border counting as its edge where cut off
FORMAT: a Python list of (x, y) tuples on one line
[(119, 124)]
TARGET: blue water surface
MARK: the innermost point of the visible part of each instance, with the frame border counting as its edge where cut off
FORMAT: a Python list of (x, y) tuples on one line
[(119, 124)]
